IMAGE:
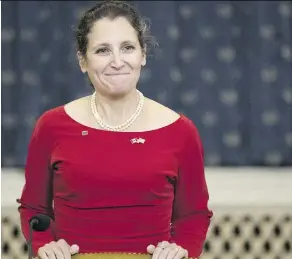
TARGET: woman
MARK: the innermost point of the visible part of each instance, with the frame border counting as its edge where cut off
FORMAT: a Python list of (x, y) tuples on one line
[(116, 171)]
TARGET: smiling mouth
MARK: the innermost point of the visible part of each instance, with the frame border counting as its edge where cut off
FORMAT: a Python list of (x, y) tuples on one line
[(120, 74)]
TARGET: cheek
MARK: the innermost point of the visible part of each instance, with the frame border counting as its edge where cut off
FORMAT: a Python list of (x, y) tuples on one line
[(97, 65), (135, 61)]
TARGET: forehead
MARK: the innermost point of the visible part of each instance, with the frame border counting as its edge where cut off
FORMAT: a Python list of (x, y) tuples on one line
[(112, 31)]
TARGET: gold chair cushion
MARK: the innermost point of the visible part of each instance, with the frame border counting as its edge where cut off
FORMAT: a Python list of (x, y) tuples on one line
[(112, 256)]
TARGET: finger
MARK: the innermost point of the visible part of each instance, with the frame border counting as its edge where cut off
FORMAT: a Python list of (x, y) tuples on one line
[(58, 252), (48, 249), (169, 249), (164, 253), (181, 254), (172, 253), (50, 253), (150, 249), (159, 248), (163, 244), (157, 252), (186, 253), (74, 249), (65, 248), (42, 254)]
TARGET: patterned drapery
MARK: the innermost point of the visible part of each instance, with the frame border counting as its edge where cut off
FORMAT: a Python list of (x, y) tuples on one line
[(227, 65)]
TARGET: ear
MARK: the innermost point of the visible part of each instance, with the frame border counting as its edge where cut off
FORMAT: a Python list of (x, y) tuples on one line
[(82, 62), (143, 57)]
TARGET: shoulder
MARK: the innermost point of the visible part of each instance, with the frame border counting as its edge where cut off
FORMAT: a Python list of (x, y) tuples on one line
[(191, 135), (189, 126), (43, 125), (49, 116)]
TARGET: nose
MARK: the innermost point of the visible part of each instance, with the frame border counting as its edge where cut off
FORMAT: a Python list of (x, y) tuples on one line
[(117, 61)]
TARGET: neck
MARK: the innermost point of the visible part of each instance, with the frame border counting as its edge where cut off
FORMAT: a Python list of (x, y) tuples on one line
[(116, 111)]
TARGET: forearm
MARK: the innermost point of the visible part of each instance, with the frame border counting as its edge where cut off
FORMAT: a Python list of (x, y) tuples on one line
[(190, 232), (39, 239)]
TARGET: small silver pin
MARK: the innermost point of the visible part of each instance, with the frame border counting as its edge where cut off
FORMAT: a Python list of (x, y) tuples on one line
[(138, 141), (84, 133)]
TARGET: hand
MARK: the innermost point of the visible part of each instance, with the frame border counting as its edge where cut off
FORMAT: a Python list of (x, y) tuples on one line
[(166, 250), (57, 250)]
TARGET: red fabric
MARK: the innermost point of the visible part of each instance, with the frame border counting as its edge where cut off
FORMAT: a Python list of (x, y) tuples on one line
[(111, 195)]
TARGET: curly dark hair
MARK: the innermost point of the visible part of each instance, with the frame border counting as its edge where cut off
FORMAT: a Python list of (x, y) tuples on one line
[(112, 9)]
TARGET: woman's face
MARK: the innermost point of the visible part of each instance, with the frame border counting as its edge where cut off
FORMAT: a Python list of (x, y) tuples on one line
[(114, 57)]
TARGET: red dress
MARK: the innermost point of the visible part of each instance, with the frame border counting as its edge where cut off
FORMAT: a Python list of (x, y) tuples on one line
[(110, 192)]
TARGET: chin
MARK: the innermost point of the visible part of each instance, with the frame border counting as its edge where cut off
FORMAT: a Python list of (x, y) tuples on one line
[(118, 91)]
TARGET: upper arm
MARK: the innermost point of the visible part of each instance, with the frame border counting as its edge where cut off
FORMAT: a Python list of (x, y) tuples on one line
[(191, 192), (37, 190)]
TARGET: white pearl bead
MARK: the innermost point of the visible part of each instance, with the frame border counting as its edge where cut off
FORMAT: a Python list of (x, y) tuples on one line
[(123, 126)]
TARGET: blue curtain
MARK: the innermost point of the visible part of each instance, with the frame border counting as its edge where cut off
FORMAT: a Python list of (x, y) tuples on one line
[(227, 65)]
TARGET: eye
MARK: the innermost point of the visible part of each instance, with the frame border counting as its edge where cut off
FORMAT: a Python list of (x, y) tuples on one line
[(129, 48), (101, 51)]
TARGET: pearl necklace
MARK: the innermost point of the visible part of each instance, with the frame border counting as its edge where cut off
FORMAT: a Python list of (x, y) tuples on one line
[(123, 126)]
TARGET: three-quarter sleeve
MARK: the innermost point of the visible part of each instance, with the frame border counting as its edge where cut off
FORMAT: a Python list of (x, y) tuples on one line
[(191, 216), (36, 195)]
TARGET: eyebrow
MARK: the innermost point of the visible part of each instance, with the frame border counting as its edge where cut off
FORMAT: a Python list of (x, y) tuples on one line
[(104, 44)]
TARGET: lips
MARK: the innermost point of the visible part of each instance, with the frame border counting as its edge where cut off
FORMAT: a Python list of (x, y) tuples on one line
[(119, 74)]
